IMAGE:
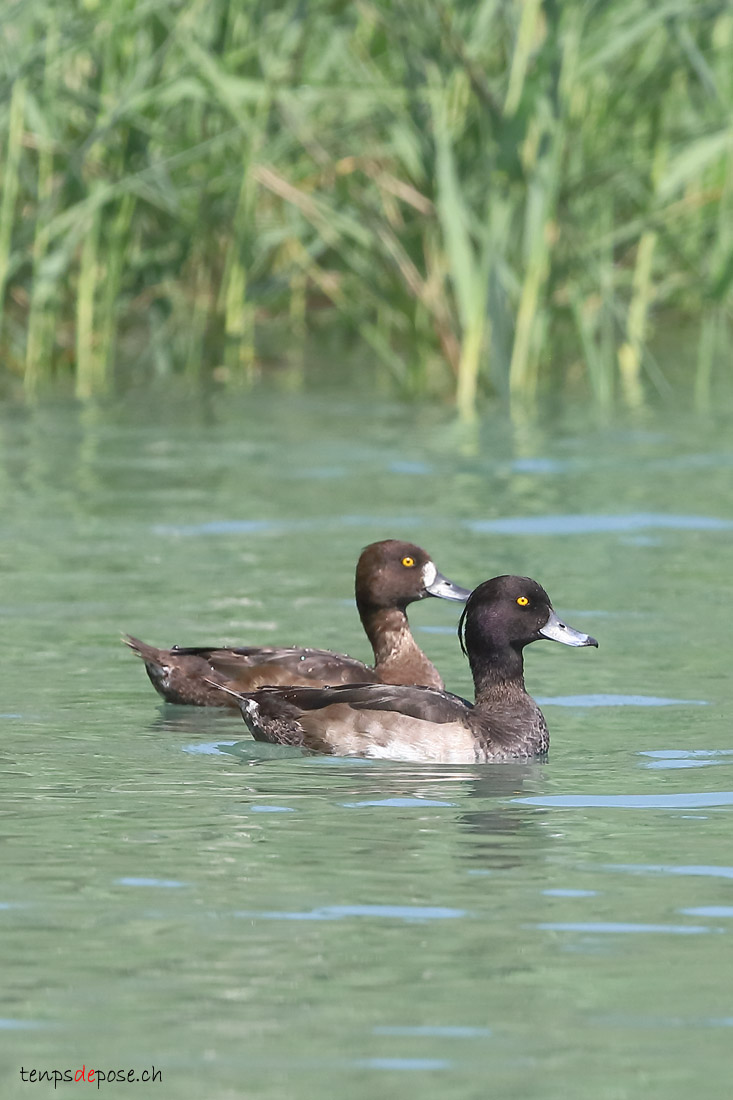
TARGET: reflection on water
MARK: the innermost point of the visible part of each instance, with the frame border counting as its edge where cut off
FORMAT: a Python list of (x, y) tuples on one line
[(623, 926), (661, 869), (256, 920), (616, 701), (683, 800), (424, 1064), (709, 911), (435, 1032), (210, 748), (589, 524), (167, 884), (271, 810), (559, 892), (662, 1022), (398, 802), (388, 912)]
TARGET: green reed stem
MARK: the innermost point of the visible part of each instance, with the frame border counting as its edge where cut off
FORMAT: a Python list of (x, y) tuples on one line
[(88, 372), (10, 180)]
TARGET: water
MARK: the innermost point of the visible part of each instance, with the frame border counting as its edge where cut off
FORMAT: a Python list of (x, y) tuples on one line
[(259, 924)]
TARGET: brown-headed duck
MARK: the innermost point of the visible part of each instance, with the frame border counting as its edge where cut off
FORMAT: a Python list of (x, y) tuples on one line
[(389, 575), (501, 617)]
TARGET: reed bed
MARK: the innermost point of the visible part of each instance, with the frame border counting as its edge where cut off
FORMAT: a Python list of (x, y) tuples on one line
[(502, 195)]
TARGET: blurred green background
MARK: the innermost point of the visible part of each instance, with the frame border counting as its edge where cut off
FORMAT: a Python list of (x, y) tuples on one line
[(507, 196)]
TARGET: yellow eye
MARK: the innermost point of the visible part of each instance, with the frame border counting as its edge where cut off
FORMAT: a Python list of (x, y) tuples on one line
[(522, 601), (408, 561)]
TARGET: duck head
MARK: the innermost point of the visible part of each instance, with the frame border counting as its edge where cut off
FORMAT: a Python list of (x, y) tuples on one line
[(510, 612), (393, 573)]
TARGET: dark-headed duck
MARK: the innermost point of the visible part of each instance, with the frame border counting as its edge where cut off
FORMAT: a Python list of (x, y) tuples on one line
[(501, 617), (389, 576)]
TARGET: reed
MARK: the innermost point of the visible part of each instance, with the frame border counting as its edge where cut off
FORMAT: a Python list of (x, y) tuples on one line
[(501, 196)]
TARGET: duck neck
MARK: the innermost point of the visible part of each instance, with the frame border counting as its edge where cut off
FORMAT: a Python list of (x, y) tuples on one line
[(398, 658), (498, 673)]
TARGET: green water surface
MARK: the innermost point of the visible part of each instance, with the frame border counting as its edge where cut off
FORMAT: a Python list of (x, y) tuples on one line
[(258, 924)]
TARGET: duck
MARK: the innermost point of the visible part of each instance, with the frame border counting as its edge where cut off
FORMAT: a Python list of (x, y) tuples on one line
[(390, 575), (502, 616)]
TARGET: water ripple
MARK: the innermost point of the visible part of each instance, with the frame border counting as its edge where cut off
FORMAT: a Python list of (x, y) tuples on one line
[(401, 1063), (338, 912), (416, 468), (558, 893), (622, 926), (683, 754), (217, 527), (672, 765), (209, 748), (616, 701), (7, 1024), (671, 869), (166, 883), (434, 1031), (630, 801), (398, 802), (595, 524), (284, 526), (671, 759), (539, 465), (662, 1021), (709, 911)]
